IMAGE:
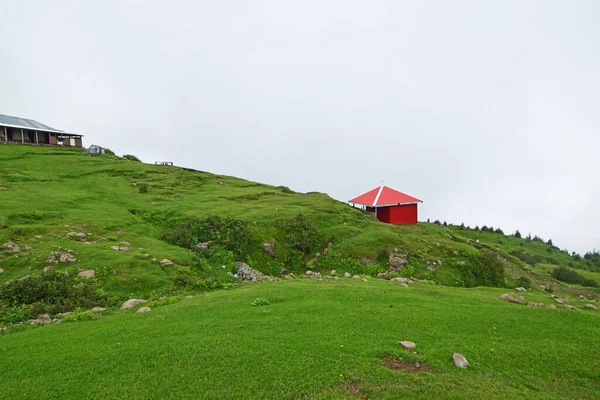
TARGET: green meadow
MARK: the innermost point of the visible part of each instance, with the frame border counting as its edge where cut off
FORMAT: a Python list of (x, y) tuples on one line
[(290, 339)]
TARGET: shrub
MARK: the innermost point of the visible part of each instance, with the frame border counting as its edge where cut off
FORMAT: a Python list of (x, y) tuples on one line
[(50, 292), (484, 269), (524, 282), (300, 233), (143, 188), (564, 274), (131, 157), (81, 314), (260, 301)]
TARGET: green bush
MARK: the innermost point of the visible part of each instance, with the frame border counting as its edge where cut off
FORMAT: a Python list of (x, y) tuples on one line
[(564, 274), (484, 269), (300, 233), (80, 314), (50, 292), (524, 282), (260, 301), (143, 188), (131, 157)]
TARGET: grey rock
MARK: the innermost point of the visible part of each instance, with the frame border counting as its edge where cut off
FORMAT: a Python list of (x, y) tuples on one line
[(132, 303), (98, 309), (41, 320), (144, 309), (588, 305), (356, 276), (87, 274), (459, 360), (203, 245), (80, 236), (12, 247), (381, 275), (397, 261), (269, 248), (166, 261), (56, 257), (284, 271), (347, 275), (521, 289), (188, 297), (569, 307), (309, 273), (1, 271), (124, 243), (317, 275), (333, 272), (513, 298), (248, 274), (408, 345)]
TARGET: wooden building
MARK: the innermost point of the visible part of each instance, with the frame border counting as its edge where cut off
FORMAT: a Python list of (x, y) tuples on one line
[(389, 205), (28, 131)]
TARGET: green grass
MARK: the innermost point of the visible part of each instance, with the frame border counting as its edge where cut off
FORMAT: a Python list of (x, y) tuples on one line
[(315, 340)]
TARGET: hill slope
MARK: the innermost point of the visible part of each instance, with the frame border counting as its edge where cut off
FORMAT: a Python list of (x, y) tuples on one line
[(48, 195)]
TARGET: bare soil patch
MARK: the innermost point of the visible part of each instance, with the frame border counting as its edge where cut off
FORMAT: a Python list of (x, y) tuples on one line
[(412, 367)]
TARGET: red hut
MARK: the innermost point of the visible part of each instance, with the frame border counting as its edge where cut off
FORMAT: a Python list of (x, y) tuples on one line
[(389, 205)]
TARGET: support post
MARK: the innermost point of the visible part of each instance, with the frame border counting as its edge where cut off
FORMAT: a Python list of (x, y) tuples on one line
[(5, 135), (36, 138), (22, 136)]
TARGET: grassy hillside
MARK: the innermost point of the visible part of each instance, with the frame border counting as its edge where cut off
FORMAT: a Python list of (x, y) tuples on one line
[(48, 195), (316, 340), (64, 211)]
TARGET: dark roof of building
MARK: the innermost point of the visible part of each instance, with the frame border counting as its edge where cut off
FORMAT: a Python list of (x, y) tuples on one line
[(24, 123)]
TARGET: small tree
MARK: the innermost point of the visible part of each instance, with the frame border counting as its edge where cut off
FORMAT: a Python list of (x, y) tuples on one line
[(517, 234)]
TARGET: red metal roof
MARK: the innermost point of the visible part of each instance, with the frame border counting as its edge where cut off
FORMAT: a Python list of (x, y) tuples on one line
[(384, 196)]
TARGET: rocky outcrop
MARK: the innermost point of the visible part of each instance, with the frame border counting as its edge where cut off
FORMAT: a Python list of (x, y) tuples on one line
[(397, 261), (513, 298), (247, 273), (132, 303)]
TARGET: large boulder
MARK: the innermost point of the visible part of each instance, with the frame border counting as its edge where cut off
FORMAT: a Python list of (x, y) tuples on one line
[(132, 303), (87, 274), (397, 261), (513, 298)]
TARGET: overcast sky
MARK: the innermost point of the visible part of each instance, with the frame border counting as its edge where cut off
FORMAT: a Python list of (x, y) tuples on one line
[(489, 111)]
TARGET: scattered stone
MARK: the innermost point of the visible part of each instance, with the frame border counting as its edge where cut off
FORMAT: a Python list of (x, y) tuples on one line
[(37, 236), (381, 275), (560, 301), (551, 306), (293, 276), (132, 303), (120, 248), (124, 243), (283, 271), (28, 248), (188, 297), (166, 261), (355, 277), (144, 309), (459, 360), (436, 244), (588, 305), (365, 261), (80, 236), (308, 273), (269, 248), (333, 272), (203, 245), (521, 290), (455, 252), (247, 273), (87, 274), (365, 280), (408, 345), (569, 307), (56, 257), (402, 281), (460, 263), (1, 271), (98, 309), (513, 298), (347, 275), (532, 304), (12, 247), (41, 320), (397, 261), (317, 275), (154, 260)]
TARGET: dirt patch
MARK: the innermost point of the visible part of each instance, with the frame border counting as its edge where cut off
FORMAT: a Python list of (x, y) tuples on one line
[(353, 389), (412, 367)]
